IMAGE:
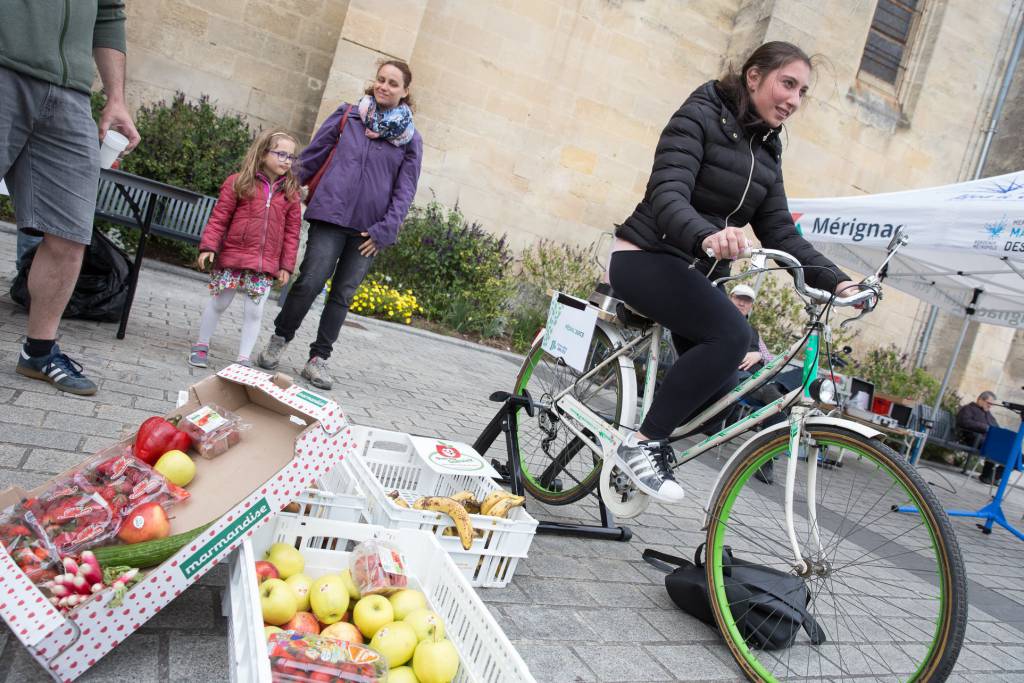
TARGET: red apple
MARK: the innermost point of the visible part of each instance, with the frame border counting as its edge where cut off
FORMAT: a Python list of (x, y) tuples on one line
[(343, 631), (145, 523), (302, 622), (266, 570)]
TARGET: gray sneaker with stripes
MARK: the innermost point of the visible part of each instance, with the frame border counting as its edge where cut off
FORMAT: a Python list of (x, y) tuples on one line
[(58, 370), (646, 465)]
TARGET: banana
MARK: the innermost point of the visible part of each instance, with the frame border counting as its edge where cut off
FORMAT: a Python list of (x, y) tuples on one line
[(492, 499), (397, 497), (505, 505), (454, 510), (468, 500)]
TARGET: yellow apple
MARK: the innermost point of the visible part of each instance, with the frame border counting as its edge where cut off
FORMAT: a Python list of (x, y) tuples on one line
[(350, 584), (300, 583), (426, 623), (371, 613), (277, 602), (177, 467), (402, 674), (396, 641), (435, 661), (328, 599), (287, 559), (406, 601), (343, 631)]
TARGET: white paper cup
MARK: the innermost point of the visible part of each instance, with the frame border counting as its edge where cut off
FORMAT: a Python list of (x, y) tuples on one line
[(113, 144)]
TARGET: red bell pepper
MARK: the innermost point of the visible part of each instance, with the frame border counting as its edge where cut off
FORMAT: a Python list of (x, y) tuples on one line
[(155, 437)]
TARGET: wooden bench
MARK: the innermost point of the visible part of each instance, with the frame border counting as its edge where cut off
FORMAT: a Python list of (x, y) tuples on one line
[(175, 219)]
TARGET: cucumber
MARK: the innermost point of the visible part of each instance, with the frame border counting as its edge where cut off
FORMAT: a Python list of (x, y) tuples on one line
[(147, 553)]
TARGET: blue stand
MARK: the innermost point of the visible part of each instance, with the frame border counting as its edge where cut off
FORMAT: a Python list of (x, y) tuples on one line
[(1001, 446)]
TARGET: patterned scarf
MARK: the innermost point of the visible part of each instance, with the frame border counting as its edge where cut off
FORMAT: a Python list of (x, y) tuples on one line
[(394, 125)]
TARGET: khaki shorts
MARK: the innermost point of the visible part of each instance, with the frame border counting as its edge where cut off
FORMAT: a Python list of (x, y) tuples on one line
[(49, 156)]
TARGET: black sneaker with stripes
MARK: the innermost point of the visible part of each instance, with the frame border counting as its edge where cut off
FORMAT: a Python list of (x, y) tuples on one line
[(58, 370)]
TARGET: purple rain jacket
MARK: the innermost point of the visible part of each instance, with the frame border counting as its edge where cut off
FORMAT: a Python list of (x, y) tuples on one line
[(369, 185)]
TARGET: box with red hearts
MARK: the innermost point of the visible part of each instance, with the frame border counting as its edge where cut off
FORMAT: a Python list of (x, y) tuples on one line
[(294, 437)]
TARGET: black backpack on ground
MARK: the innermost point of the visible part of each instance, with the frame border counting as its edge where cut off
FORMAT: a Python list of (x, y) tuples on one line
[(102, 286), (772, 604)]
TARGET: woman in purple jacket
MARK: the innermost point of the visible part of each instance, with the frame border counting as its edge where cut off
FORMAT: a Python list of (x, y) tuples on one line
[(359, 204)]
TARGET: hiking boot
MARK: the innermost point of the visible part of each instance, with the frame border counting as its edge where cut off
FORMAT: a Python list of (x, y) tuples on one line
[(58, 370), (197, 357), (646, 463), (270, 356), (317, 373)]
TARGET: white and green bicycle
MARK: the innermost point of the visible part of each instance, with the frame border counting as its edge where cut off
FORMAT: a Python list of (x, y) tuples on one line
[(889, 589)]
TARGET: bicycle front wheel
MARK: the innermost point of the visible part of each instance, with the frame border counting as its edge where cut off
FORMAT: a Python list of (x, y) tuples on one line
[(887, 588), (558, 467)]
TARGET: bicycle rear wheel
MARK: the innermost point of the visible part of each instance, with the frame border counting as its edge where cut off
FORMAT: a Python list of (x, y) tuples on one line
[(558, 468), (888, 589)]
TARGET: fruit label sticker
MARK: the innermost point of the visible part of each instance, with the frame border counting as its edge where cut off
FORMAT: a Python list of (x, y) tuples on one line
[(451, 457), (232, 533), (391, 561), (207, 419)]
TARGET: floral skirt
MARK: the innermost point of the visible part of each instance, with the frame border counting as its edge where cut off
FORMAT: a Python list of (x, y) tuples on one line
[(256, 285)]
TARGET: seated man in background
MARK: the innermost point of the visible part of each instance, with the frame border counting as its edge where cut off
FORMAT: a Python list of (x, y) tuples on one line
[(972, 423)]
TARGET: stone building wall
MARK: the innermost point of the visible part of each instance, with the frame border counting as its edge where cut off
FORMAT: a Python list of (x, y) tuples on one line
[(265, 59), (540, 117)]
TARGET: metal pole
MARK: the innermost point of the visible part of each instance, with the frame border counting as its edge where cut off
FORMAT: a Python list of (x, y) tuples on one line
[(926, 336), (969, 314)]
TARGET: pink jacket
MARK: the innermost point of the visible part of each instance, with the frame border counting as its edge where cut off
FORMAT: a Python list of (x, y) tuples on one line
[(260, 233)]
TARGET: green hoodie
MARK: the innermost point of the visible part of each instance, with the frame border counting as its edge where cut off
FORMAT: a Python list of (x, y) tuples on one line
[(52, 40)]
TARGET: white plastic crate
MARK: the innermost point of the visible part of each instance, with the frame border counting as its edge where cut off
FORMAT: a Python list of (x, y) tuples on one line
[(383, 461), (485, 652)]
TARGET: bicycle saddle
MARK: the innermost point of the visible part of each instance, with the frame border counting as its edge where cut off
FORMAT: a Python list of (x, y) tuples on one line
[(605, 299)]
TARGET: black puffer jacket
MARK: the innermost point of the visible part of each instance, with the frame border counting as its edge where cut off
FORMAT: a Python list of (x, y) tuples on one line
[(710, 172)]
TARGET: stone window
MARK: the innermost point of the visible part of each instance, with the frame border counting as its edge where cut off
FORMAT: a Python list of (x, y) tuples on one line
[(888, 44)]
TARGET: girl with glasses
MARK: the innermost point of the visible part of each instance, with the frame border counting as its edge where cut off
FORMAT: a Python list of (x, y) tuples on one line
[(252, 239)]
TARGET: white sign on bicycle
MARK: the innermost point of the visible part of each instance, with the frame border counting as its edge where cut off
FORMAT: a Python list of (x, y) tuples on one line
[(569, 329)]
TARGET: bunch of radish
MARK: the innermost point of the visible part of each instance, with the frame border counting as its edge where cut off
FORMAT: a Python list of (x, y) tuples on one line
[(84, 578)]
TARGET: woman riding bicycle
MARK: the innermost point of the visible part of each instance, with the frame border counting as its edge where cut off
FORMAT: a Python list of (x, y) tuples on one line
[(717, 166)]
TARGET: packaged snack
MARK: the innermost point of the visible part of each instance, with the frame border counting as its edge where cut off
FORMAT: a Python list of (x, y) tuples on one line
[(88, 506), (296, 657), (28, 546), (378, 568), (213, 430)]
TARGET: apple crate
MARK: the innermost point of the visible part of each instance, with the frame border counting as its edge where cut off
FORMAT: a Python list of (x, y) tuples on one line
[(485, 653), (384, 461)]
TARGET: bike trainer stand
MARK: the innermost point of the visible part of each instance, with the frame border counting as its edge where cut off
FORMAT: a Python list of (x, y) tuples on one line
[(505, 420)]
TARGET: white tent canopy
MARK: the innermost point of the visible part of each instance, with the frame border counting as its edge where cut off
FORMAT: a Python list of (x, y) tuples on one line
[(965, 239)]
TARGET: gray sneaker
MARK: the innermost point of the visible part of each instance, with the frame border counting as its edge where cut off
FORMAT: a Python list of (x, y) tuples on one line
[(270, 356), (58, 370), (646, 464), (198, 356), (317, 373)]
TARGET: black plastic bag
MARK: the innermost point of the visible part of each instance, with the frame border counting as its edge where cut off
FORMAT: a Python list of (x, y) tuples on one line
[(102, 287)]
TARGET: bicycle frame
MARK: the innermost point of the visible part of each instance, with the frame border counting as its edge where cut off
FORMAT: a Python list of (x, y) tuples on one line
[(609, 439)]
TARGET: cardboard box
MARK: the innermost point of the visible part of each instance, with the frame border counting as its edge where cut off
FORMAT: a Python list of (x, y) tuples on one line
[(296, 436)]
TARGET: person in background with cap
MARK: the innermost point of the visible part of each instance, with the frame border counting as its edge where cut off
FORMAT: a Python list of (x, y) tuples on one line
[(973, 422), (742, 297)]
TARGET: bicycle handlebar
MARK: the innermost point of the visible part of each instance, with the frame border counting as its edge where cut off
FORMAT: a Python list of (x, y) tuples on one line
[(813, 293)]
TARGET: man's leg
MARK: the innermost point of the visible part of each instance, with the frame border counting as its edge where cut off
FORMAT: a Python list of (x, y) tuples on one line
[(53, 183), (50, 284)]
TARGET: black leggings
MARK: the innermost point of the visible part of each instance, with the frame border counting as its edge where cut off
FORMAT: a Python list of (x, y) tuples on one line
[(709, 333)]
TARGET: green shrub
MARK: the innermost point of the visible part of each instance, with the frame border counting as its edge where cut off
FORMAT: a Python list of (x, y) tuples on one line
[(779, 317), (889, 370), (184, 143), (548, 265), (458, 270)]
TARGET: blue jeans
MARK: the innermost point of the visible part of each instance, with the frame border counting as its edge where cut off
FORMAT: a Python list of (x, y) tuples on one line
[(331, 253)]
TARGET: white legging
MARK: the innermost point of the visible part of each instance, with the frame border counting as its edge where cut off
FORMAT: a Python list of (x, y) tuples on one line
[(252, 315)]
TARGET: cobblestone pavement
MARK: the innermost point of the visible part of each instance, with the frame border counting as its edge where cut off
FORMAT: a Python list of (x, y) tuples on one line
[(577, 610)]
